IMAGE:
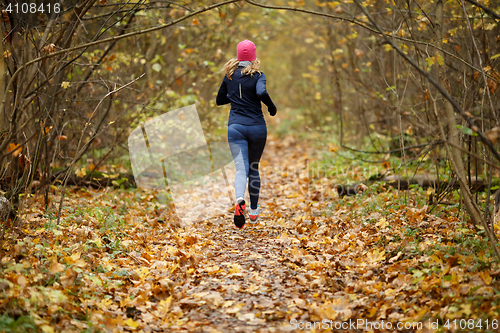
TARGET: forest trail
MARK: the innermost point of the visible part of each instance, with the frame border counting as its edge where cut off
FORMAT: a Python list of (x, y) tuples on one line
[(248, 281), (113, 265)]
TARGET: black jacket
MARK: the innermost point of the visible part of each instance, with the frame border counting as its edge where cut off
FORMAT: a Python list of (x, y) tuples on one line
[(245, 93)]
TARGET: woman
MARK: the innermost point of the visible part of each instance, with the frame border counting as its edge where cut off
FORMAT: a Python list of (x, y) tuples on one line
[(244, 86)]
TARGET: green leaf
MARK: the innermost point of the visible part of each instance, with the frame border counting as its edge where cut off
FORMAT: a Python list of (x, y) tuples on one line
[(466, 130), (495, 56)]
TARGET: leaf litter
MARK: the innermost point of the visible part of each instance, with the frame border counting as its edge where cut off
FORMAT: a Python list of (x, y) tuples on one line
[(118, 262)]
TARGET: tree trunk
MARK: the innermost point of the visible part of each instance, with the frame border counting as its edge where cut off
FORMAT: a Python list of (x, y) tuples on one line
[(453, 135), (3, 69)]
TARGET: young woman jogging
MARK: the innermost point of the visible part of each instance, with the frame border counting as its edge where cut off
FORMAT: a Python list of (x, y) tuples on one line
[(244, 86)]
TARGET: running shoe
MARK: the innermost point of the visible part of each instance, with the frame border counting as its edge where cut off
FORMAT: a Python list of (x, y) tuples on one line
[(239, 214), (254, 215)]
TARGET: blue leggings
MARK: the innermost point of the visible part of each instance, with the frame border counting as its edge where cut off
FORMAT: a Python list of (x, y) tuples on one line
[(247, 144)]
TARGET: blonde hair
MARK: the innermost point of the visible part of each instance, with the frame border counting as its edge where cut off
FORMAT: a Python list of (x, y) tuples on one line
[(232, 64)]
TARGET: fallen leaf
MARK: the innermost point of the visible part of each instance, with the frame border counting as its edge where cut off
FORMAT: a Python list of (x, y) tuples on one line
[(131, 323), (55, 267)]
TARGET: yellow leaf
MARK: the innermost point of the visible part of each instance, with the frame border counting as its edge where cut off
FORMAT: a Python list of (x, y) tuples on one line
[(371, 312), (235, 269), (327, 311), (382, 223), (485, 276), (47, 329), (212, 269), (65, 85), (440, 59), (234, 309), (75, 256), (375, 255), (490, 26), (419, 315), (81, 173), (56, 267), (143, 273), (131, 323), (227, 304), (430, 61), (163, 307), (105, 303)]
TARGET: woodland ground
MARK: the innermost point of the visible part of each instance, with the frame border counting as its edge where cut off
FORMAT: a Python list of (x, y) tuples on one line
[(111, 266)]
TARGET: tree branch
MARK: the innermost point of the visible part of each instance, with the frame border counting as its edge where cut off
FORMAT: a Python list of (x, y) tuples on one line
[(106, 40), (487, 10), (443, 92)]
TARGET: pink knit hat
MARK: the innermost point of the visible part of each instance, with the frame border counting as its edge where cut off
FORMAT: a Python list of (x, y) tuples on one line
[(246, 51)]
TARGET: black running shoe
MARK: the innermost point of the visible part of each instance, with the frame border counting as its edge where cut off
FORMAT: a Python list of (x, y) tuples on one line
[(239, 214)]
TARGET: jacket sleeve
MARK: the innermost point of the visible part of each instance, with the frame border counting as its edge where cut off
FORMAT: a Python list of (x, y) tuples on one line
[(262, 92), (222, 94)]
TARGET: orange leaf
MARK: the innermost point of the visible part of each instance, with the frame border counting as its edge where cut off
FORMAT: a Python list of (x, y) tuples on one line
[(46, 130), (195, 21), (62, 137), (492, 134), (15, 148), (492, 85), (476, 75)]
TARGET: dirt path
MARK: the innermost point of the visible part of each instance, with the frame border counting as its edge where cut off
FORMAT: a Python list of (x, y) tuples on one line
[(247, 282)]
